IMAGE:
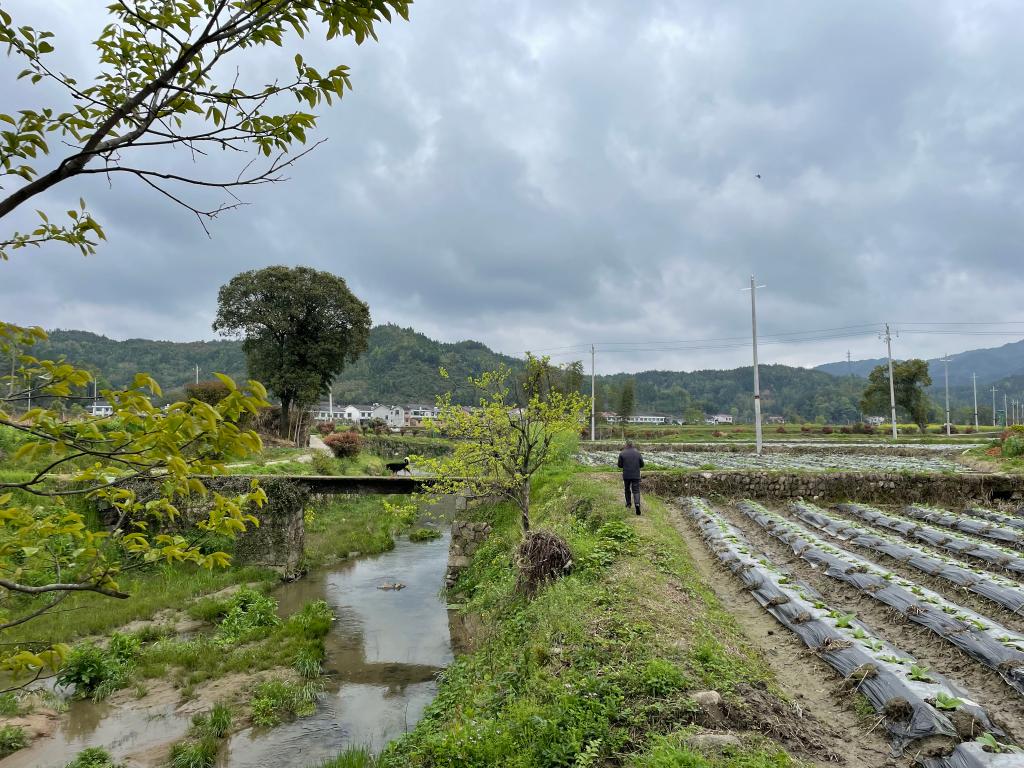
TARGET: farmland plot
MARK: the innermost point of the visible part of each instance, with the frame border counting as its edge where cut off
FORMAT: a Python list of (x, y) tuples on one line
[(811, 462), (950, 663)]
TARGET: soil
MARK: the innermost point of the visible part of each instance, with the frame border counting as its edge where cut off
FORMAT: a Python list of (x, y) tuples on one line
[(983, 685), (818, 723)]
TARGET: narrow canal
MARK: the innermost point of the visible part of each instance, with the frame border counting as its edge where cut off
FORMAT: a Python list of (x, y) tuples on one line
[(383, 655)]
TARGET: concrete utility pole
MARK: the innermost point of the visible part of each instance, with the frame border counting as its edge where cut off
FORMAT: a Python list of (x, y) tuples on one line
[(945, 359), (757, 382), (974, 378), (1005, 420), (330, 404), (994, 423), (197, 373), (849, 364), (892, 384), (593, 394)]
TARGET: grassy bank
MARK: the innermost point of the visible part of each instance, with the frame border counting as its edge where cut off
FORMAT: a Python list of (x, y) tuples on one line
[(602, 666)]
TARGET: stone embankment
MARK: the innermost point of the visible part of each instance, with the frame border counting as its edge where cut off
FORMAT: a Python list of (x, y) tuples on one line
[(467, 538), (869, 488)]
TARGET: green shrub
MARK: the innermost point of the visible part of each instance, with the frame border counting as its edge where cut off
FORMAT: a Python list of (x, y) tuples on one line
[(313, 621), (661, 677), (9, 705), (323, 464), (1013, 446), (277, 700), (249, 616), (12, 738), (93, 757), (93, 671), (309, 662), (424, 534)]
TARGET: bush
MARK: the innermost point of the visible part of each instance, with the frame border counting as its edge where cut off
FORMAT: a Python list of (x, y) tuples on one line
[(326, 427), (195, 754), (344, 445), (94, 671), (845, 430), (826, 430), (424, 534), (9, 705), (1013, 446), (323, 464), (780, 429), (211, 392), (861, 428), (249, 616), (12, 738), (93, 757)]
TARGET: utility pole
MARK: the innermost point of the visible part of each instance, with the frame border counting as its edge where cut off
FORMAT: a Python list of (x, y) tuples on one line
[(757, 382), (330, 404), (849, 364), (197, 373), (994, 390), (974, 379), (892, 384), (1005, 420), (945, 359), (593, 394)]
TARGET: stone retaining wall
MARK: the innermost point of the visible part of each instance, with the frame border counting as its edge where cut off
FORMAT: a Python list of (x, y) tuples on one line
[(809, 447), (877, 488), (467, 537)]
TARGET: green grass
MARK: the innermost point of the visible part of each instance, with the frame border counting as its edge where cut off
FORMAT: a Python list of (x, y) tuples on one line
[(275, 701), (599, 667), (672, 751), (353, 757), (12, 738), (93, 757), (424, 534), (347, 524)]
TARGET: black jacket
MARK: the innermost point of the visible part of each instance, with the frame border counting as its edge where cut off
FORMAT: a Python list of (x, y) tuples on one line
[(630, 462)]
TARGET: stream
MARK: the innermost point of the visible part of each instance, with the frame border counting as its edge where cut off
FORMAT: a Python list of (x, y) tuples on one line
[(383, 655)]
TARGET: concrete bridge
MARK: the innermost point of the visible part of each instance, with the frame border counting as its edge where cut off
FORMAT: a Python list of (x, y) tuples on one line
[(279, 540)]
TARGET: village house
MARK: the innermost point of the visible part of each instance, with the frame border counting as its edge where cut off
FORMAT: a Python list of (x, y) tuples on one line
[(719, 418)]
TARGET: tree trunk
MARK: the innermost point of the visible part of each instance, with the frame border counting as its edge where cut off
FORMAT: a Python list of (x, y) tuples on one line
[(283, 427), (524, 505)]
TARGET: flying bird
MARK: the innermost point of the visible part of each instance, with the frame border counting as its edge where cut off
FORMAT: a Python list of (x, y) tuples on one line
[(758, 175)]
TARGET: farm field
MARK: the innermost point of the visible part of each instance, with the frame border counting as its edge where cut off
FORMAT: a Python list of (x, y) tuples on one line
[(928, 641), (821, 461)]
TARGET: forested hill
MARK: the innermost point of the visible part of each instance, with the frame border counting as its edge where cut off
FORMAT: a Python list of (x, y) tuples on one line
[(402, 365), (795, 393), (399, 364)]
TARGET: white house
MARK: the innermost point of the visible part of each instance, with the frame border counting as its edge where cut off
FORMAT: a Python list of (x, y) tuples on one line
[(875, 421), (325, 412), (719, 418), (100, 409), (416, 414), (648, 419)]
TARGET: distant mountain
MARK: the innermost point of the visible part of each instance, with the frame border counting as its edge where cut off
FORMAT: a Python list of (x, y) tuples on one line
[(989, 364)]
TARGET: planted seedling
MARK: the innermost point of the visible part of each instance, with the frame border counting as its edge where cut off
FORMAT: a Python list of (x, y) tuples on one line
[(859, 633), (946, 702), (919, 673), (989, 744), (845, 621)]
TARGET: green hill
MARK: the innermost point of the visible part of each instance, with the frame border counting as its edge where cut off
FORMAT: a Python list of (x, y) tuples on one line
[(401, 365)]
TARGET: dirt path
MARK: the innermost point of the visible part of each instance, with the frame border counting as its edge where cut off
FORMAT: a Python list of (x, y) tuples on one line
[(983, 685), (810, 683)]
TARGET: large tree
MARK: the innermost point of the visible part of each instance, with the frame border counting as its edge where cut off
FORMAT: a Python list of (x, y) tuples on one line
[(50, 550), (627, 400), (911, 379), (170, 74), (300, 328)]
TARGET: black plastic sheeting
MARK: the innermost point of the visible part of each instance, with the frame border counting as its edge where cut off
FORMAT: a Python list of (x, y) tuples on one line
[(983, 528), (996, 517), (999, 590), (970, 754), (800, 609), (991, 554), (976, 636)]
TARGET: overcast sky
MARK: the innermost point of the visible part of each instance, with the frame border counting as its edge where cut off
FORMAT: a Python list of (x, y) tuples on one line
[(538, 174)]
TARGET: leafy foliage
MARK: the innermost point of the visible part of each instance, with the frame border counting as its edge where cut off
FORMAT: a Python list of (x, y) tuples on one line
[(344, 445), (300, 328), (12, 738), (170, 73), (48, 548), (501, 445), (93, 757), (250, 614), (911, 379), (277, 700)]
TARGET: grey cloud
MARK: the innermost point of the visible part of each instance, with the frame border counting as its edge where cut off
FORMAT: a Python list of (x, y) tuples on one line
[(537, 175)]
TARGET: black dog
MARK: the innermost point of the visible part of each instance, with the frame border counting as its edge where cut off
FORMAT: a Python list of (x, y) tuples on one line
[(397, 466)]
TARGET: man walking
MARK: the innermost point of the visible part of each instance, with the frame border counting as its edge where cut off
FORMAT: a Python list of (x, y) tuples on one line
[(631, 462)]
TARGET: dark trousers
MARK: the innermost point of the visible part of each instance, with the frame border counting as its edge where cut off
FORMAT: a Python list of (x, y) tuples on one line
[(632, 487)]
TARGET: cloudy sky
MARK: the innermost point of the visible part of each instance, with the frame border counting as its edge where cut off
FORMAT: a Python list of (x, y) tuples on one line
[(541, 175)]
